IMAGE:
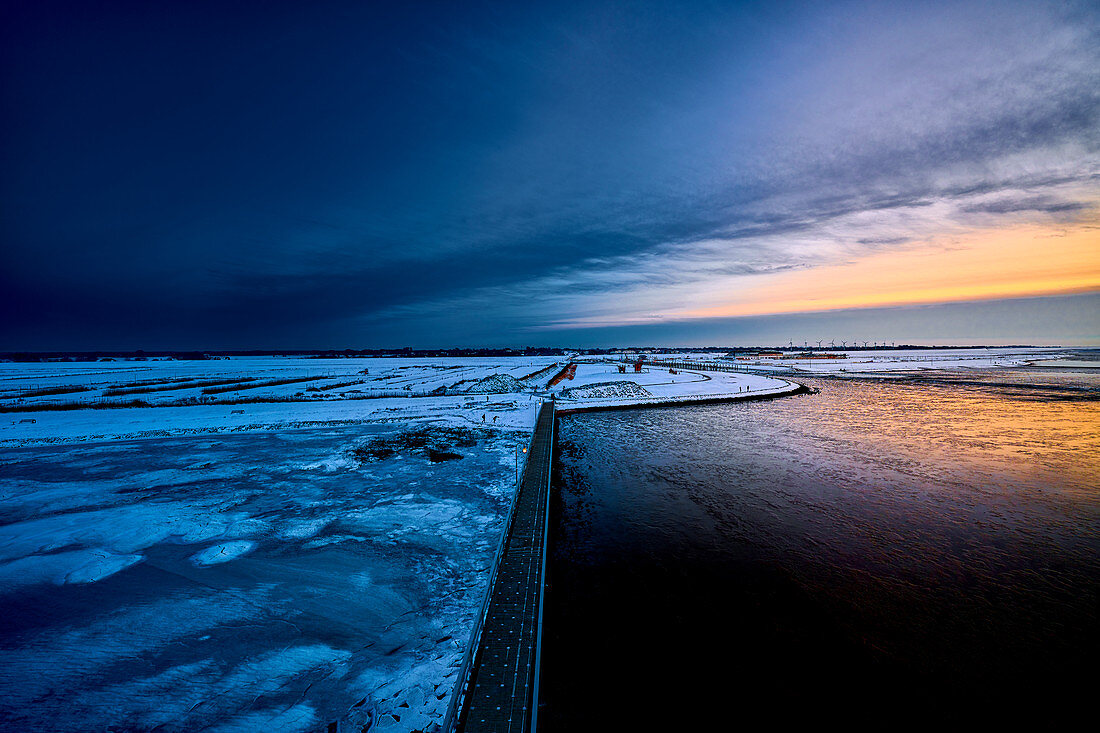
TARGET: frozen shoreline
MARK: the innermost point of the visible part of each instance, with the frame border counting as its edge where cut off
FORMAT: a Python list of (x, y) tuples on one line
[(568, 408), (213, 499)]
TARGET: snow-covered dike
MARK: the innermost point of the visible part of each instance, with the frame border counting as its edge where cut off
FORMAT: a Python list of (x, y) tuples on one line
[(600, 386)]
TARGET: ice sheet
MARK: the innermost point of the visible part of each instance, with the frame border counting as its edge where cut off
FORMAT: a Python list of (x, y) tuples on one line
[(255, 579)]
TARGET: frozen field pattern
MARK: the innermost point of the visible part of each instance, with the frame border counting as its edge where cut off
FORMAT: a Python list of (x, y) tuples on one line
[(265, 580)]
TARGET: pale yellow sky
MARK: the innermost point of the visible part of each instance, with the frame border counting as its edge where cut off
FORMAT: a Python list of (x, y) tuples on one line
[(1023, 260)]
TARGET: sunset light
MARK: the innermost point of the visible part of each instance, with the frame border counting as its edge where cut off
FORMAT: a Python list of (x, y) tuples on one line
[(1021, 261)]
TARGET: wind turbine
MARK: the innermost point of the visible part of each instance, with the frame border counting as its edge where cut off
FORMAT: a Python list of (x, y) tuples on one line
[(819, 344), (832, 344), (865, 344), (843, 344)]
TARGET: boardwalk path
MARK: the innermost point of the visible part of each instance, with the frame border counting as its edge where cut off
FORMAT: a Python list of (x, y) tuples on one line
[(503, 683)]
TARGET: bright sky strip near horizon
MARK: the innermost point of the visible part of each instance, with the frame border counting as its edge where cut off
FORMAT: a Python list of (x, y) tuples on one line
[(339, 174)]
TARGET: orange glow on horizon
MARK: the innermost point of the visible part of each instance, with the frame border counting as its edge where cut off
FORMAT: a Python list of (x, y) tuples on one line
[(1022, 261)]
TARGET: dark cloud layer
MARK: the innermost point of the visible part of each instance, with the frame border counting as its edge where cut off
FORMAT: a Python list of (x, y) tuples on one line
[(337, 173)]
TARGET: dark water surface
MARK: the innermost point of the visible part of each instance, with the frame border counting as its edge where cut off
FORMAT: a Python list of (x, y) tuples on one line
[(888, 551)]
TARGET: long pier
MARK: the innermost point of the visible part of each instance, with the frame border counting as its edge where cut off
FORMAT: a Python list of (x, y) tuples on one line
[(498, 689)]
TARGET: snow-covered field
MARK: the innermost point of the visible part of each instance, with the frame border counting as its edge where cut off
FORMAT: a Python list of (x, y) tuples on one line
[(249, 565), (337, 393)]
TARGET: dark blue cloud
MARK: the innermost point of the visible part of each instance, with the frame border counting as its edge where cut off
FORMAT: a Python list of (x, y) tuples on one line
[(280, 174)]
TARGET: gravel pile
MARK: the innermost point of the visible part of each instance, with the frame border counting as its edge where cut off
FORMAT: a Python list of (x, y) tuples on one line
[(605, 390)]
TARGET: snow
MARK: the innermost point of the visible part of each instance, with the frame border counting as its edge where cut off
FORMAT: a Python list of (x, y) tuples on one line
[(605, 390), (101, 565), (329, 379), (1066, 363), (223, 552), (78, 566), (517, 412), (300, 529), (494, 384)]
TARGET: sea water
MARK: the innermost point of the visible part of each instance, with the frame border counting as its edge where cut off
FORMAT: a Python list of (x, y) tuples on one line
[(886, 551)]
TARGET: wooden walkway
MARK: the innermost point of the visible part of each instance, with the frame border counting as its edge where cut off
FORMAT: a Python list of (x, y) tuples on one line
[(502, 689)]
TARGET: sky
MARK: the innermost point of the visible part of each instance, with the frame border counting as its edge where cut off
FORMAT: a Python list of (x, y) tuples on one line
[(236, 175)]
